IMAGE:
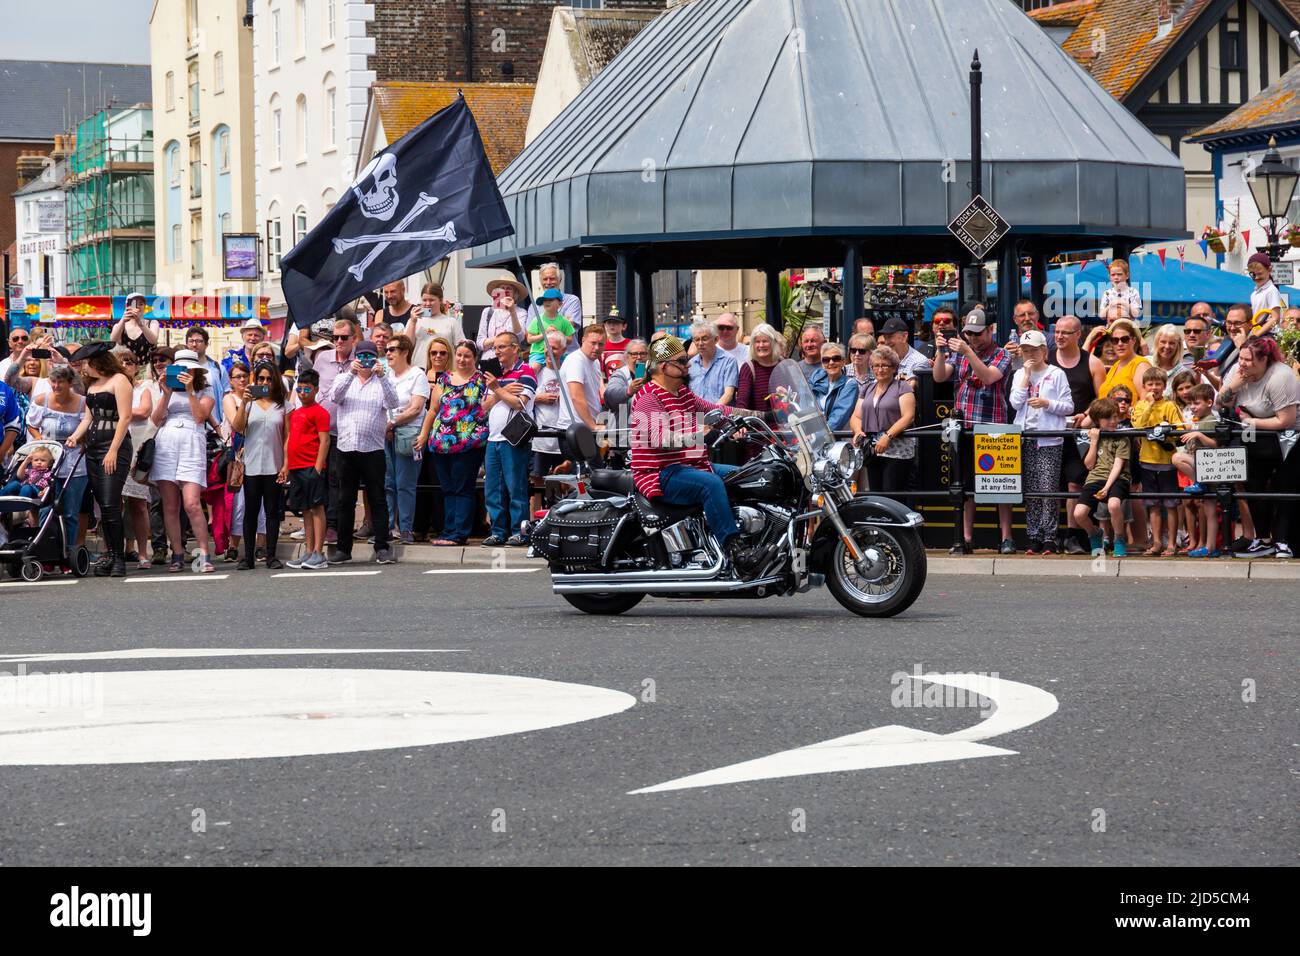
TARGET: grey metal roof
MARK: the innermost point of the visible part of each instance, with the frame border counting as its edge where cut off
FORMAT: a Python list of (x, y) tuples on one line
[(802, 117), (50, 178), (35, 94)]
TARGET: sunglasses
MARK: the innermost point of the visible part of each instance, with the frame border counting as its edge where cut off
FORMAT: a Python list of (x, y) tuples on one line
[(832, 359), (860, 351), (341, 338), (727, 328), (391, 348), (305, 389), (1121, 339), (129, 361), (439, 354), (19, 338)]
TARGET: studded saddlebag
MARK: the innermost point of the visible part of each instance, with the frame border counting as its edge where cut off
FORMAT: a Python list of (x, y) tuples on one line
[(576, 534)]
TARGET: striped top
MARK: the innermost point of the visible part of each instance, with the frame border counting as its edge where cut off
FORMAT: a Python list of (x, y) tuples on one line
[(655, 410)]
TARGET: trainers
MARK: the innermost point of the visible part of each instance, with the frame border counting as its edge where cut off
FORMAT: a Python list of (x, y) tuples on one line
[(296, 563), (331, 536), (517, 541), (315, 562), (1282, 550), (365, 532), (1239, 546), (385, 556), (493, 541), (1199, 553), (299, 535), (1097, 543), (1074, 546), (274, 564), (1049, 547), (1255, 549), (339, 557), (964, 548), (1008, 546), (407, 537), (1194, 489), (1121, 549), (159, 558)]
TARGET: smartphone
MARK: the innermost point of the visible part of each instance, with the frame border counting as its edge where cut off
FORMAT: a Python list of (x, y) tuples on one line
[(260, 391), (367, 360), (41, 353), (1206, 364), (173, 378), (490, 365), (638, 370)]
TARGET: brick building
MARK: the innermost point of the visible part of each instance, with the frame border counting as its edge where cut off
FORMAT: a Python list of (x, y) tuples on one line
[(483, 41)]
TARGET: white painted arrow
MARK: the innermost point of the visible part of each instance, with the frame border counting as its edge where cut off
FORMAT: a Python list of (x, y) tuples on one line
[(1019, 705)]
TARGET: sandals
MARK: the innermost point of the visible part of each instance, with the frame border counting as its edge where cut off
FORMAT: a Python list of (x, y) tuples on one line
[(1170, 552), (177, 563), (1152, 552), (202, 565), (145, 564), (447, 543)]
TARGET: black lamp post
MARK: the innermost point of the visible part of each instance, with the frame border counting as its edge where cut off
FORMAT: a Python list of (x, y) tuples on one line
[(1273, 186)]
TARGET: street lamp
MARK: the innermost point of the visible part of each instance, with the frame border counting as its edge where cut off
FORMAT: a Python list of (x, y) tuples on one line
[(1272, 186)]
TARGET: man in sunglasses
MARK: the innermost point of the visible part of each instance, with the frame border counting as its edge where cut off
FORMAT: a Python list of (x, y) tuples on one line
[(329, 364), (18, 340), (980, 369), (729, 343)]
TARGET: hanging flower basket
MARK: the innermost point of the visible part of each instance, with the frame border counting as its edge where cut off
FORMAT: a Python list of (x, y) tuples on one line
[(1291, 234), (1218, 241)]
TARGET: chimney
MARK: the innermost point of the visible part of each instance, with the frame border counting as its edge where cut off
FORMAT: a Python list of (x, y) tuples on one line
[(30, 164), (1164, 18)]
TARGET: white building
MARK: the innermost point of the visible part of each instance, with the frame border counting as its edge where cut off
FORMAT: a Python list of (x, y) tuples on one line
[(40, 210), (310, 86)]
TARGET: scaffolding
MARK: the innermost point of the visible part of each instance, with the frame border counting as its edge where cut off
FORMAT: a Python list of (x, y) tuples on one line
[(110, 204)]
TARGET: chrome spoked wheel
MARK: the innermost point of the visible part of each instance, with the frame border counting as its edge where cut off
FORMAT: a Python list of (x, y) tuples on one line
[(887, 579)]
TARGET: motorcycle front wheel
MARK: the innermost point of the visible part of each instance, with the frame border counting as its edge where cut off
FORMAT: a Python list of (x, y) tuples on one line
[(605, 604), (887, 581)]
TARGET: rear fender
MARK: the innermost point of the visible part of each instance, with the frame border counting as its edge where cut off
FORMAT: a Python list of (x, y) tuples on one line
[(868, 510)]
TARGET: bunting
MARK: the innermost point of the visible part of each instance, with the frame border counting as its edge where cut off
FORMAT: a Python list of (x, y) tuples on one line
[(1205, 248), (1245, 238), (1182, 256), (1161, 253)]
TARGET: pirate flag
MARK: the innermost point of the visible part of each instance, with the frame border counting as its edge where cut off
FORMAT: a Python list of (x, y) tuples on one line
[(427, 195)]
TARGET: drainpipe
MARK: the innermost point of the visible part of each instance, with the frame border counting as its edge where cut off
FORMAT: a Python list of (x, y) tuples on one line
[(469, 43)]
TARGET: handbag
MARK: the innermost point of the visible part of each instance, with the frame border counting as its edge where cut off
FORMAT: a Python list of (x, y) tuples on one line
[(404, 439), (235, 472), (143, 461), (519, 429)]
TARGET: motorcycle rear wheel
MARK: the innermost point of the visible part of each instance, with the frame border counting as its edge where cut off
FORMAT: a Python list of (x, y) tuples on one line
[(893, 591), (604, 604)]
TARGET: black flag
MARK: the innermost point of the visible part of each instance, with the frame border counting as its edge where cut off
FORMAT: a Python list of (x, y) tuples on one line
[(427, 195)]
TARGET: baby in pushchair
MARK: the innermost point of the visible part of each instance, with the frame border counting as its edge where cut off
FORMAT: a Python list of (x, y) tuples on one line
[(31, 477)]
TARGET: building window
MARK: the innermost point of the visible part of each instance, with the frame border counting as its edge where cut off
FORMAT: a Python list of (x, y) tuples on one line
[(300, 27), (196, 245), (192, 23), (225, 223), (299, 224), (223, 151), (172, 153), (273, 245), (196, 169), (277, 134), (300, 110), (194, 93), (218, 72), (169, 90), (275, 38), (331, 18), (587, 4), (330, 124), (176, 242), (328, 198), (1231, 49)]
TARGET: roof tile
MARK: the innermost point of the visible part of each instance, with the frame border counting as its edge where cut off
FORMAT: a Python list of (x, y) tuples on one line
[(500, 109), (1274, 106)]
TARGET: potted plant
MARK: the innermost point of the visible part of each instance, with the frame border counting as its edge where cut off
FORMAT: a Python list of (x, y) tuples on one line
[(1219, 241), (1291, 234)]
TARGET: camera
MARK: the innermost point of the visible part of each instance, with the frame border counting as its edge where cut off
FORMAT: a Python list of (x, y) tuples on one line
[(260, 391)]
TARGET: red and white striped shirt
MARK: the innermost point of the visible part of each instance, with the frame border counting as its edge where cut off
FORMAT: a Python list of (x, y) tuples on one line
[(654, 411)]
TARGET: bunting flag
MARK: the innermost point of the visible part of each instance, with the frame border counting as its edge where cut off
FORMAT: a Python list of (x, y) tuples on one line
[(1245, 237), (1161, 252), (1205, 248), (1182, 255), (1141, 257)]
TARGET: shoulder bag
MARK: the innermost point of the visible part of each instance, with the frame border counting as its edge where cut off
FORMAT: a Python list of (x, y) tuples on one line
[(519, 429)]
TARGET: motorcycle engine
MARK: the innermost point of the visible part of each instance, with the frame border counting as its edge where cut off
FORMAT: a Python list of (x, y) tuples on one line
[(761, 525)]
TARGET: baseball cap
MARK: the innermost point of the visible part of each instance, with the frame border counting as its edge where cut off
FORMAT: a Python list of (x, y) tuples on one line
[(1034, 339), (366, 346), (551, 294), (894, 325), (612, 317), (135, 297), (975, 321)]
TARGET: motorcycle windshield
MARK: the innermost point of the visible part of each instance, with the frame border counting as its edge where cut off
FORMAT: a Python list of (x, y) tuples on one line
[(797, 414)]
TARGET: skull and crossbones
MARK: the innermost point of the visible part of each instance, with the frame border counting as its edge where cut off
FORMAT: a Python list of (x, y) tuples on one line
[(379, 202)]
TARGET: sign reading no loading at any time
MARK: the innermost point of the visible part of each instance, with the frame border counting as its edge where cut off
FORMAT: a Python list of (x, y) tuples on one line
[(997, 463)]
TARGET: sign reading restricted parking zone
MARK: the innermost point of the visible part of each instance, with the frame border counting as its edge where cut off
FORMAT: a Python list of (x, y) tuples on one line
[(997, 464), (1220, 465)]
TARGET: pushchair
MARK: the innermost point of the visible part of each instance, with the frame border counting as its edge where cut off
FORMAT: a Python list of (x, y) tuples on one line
[(32, 552)]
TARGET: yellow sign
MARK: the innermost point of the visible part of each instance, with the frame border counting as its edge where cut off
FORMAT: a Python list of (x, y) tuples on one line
[(997, 463)]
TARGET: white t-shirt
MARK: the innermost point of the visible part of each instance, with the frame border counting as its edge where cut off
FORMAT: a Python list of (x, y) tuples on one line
[(547, 414), (740, 353), (413, 381), (500, 413), (422, 331), (1265, 298), (578, 368)]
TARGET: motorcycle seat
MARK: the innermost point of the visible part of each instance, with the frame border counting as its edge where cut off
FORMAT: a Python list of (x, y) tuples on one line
[(614, 480), (655, 513)]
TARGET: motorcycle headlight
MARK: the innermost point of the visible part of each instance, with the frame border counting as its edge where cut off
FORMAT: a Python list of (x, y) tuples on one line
[(844, 458), (825, 471)]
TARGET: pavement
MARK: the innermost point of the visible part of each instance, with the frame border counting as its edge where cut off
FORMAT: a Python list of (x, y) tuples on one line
[(1147, 725)]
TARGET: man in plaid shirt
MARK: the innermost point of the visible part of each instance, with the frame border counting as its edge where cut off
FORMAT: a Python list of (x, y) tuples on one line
[(981, 371)]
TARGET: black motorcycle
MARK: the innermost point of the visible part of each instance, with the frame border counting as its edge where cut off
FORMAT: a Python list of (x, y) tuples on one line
[(609, 547)]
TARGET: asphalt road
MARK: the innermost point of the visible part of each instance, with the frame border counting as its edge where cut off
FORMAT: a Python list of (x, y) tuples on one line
[(1151, 728)]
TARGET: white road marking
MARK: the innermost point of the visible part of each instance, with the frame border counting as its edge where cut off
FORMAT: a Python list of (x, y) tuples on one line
[(161, 653), (322, 574), (484, 570), (190, 576), (166, 715), (36, 584), (1019, 705)]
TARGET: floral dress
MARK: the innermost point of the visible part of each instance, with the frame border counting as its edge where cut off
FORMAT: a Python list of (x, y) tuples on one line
[(462, 422)]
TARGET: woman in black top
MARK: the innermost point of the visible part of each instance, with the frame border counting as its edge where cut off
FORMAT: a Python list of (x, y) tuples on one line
[(103, 431)]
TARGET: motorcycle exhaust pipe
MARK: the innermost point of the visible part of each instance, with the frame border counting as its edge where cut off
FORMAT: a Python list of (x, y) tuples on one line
[(562, 586)]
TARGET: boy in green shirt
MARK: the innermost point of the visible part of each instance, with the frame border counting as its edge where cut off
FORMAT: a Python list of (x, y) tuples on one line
[(1107, 462), (550, 318)]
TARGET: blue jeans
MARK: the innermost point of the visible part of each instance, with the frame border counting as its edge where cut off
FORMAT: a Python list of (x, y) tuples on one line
[(457, 474), (505, 486), (401, 476), (683, 485), (73, 491)]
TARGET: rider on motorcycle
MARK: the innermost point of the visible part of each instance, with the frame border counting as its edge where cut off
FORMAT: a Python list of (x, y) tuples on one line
[(669, 457)]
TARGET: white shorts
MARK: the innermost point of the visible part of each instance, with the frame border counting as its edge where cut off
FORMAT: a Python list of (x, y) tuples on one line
[(180, 454)]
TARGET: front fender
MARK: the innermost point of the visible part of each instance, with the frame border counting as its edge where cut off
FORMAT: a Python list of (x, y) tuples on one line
[(867, 509)]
